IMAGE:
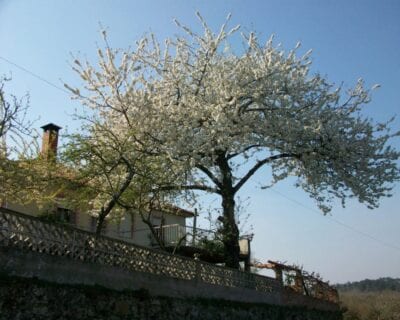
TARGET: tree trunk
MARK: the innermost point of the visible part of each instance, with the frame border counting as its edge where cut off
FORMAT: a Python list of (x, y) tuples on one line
[(100, 221), (157, 236), (230, 231)]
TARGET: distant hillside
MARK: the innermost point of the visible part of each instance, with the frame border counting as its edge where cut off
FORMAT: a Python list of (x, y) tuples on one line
[(367, 285)]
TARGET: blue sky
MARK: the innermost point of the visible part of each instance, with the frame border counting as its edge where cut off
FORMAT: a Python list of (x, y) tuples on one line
[(350, 39)]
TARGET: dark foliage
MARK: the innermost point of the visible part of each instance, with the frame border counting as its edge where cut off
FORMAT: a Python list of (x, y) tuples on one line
[(367, 285)]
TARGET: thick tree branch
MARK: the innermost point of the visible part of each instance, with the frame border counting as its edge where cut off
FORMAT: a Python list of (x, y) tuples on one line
[(259, 164), (210, 175), (189, 187), (232, 155)]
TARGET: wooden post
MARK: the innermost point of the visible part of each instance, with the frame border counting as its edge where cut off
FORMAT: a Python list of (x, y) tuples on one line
[(194, 228), (278, 274), (298, 282)]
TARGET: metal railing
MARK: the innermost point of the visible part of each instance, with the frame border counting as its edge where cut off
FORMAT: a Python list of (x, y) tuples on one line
[(176, 234), (172, 234)]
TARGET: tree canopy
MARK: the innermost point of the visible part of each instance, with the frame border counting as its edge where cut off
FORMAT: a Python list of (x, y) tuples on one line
[(218, 117)]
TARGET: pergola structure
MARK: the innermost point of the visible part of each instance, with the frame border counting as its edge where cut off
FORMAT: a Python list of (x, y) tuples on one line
[(303, 283)]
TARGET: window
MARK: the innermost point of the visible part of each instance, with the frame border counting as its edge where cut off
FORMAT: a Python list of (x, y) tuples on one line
[(65, 215)]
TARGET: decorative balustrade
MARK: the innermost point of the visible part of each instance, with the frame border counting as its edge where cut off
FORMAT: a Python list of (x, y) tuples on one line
[(30, 233)]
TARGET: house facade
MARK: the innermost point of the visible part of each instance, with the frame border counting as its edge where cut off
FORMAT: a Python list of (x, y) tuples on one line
[(170, 225)]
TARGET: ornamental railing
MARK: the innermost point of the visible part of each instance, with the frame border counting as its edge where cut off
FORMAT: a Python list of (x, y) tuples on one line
[(180, 235), (30, 233), (173, 234)]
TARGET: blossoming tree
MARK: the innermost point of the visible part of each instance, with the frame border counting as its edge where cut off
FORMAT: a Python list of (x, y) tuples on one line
[(220, 117)]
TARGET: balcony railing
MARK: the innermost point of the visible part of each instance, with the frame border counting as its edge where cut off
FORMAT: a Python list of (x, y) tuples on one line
[(172, 234), (176, 234)]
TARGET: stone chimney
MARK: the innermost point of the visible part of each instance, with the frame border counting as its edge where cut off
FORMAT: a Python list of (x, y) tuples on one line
[(50, 141)]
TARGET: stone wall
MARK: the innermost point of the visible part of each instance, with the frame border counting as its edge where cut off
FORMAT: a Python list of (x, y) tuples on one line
[(33, 299)]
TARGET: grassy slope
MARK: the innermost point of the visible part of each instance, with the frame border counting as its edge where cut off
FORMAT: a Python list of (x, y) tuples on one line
[(371, 299)]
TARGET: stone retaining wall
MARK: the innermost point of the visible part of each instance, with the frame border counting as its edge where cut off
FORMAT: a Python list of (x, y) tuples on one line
[(39, 300), (62, 270), (80, 276)]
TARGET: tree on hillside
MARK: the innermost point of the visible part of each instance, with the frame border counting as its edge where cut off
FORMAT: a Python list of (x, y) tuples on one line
[(220, 117), (368, 285)]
